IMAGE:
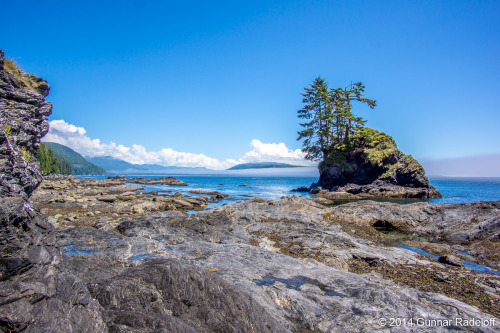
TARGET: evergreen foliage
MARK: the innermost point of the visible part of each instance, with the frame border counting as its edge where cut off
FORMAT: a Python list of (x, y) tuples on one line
[(79, 165), (329, 122), (50, 163)]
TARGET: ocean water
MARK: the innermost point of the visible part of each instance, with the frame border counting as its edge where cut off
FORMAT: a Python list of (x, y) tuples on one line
[(455, 190), (275, 185), (237, 187)]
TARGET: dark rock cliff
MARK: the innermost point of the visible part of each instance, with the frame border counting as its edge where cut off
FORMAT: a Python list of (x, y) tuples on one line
[(22, 117), (373, 166), (36, 293)]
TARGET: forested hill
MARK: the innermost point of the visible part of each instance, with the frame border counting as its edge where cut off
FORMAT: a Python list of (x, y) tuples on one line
[(79, 165), (51, 163)]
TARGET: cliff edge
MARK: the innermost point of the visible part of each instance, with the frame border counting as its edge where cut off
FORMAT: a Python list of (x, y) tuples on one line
[(36, 293), (372, 166)]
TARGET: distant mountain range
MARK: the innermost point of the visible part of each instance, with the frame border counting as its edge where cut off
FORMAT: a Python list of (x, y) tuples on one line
[(120, 166), (79, 165), (262, 165), (109, 165)]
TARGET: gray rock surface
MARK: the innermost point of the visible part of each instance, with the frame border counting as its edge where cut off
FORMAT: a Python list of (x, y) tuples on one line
[(290, 258), (256, 266), (22, 120), (162, 180), (474, 225)]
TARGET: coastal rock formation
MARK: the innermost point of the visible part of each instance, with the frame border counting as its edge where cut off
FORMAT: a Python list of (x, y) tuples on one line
[(257, 266), (292, 259), (474, 225), (160, 181), (22, 123), (68, 200), (372, 166), (36, 293)]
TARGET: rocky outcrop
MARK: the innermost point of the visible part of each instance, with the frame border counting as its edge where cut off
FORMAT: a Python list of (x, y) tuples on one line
[(290, 257), (372, 166), (474, 225), (22, 123), (158, 181), (70, 201), (36, 293), (165, 295)]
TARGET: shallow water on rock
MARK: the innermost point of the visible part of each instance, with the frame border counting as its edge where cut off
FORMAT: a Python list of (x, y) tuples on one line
[(143, 256), (72, 250), (295, 283), (467, 264)]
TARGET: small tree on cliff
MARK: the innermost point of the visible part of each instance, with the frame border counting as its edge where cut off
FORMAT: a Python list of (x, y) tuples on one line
[(329, 120)]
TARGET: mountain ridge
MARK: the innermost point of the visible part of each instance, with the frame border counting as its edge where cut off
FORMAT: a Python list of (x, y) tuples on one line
[(110, 163)]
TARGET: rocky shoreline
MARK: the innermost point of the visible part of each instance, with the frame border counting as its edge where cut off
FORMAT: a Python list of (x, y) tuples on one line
[(287, 252), (84, 255), (68, 200)]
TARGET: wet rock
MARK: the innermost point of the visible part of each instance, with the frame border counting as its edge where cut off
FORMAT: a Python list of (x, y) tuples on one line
[(454, 224), (301, 189), (216, 194), (451, 260)]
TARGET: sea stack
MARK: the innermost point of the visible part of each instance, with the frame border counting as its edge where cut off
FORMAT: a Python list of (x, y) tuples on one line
[(371, 166)]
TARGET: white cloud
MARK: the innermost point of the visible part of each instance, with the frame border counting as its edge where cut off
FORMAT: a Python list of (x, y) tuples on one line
[(75, 138)]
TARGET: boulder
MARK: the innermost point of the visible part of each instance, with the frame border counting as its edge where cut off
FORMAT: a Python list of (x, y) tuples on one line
[(107, 198), (451, 260)]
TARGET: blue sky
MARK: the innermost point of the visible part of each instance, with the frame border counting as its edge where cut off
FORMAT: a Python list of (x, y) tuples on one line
[(204, 83)]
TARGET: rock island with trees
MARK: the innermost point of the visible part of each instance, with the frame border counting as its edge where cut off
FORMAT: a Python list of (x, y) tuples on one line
[(355, 161)]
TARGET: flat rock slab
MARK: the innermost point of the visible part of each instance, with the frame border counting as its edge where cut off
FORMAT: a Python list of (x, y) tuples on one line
[(158, 181)]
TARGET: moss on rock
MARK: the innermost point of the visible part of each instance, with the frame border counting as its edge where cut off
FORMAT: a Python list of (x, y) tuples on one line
[(370, 156), (29, 81)]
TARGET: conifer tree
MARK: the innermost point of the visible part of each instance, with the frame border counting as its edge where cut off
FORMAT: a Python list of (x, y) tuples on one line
[(316, 112), (329, 120), (353, 92), (50, 163)]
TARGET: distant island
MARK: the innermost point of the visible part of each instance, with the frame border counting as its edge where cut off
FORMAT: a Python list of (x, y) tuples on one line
[(262, 165)]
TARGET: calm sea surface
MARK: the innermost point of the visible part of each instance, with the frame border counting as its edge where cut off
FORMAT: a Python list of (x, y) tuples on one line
[(466, 189), (454, 190)]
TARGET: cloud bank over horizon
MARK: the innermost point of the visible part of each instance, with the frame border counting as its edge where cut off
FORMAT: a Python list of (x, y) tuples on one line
[(470, 166), (75, 137)]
